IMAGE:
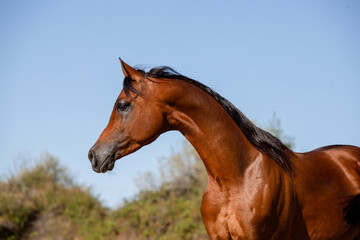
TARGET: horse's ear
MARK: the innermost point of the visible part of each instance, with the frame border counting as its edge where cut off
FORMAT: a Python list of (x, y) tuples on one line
[(130, 72)]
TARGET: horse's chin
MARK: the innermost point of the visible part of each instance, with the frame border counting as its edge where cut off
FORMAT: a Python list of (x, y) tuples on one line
[(109, 162), (111, 166), (107, 165)]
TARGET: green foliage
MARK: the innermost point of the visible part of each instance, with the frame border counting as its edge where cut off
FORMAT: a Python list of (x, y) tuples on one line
[(45, 195), (172, 210), (274, 127), (43, 202)]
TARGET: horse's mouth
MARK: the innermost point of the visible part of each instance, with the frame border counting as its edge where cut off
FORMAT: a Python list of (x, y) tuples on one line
[(108, 164), (115, 151)]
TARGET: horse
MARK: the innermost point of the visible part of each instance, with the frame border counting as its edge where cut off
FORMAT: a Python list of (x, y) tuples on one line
[(257, 187)]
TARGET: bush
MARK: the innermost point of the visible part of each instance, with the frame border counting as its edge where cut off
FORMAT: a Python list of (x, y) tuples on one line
[(172, 209), (46, 194), (43, 202)]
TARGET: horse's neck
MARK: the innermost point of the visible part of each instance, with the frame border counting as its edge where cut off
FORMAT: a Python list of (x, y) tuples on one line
[(222, 146)]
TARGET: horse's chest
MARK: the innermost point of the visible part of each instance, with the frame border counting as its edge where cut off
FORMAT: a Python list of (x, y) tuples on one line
[(232, 223), (237, 214), (226, 219)]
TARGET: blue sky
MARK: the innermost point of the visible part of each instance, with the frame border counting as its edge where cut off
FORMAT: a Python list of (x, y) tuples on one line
[(60, 75)]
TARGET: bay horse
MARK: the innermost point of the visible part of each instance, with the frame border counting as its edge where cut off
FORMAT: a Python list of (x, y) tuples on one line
[(257, 187)]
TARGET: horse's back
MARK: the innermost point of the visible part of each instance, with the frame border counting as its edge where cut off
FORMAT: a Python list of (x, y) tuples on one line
[(332, 163), (342, 159), (341, 149), (328, 187)]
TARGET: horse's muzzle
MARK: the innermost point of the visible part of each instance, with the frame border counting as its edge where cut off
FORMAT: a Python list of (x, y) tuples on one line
[(101, 161)]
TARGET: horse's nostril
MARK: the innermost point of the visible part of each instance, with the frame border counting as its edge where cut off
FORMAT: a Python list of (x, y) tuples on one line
[(90, 156)]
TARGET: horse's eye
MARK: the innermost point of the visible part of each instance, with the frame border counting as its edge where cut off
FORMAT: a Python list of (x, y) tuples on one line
[(123, 106)]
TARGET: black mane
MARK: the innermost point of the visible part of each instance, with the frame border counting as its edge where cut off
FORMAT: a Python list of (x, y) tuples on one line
[(260, 139)]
